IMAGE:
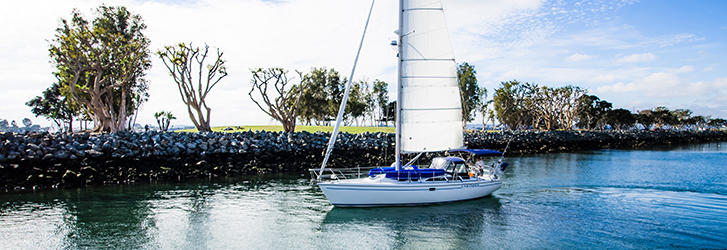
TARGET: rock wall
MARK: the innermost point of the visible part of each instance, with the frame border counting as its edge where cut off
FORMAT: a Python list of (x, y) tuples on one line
[(33, 161)]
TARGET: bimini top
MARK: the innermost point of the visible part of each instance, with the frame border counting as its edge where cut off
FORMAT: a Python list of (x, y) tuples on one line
[(478, 152), (454, 159)]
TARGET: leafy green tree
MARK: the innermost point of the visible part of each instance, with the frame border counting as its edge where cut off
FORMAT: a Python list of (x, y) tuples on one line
[(53, 105), (469, 91), (103, 63), (662, 116), (370, 102), (590, 110), (511, 104), (163, 119), (356, 105), (194, 77), (390, 114), (698, 121), (322, 96), (646, 118), (717, 122), (381, 98), (619, 118), (681, 117)]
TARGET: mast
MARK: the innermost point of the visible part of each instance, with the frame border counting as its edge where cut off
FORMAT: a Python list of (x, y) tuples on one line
[(398, 87), (342, 108)]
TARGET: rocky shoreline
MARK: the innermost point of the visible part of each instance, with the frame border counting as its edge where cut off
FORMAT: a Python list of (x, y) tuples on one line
[(33, 161)]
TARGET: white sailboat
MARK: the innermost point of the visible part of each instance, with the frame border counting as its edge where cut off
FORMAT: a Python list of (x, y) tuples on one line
[(428, 119)]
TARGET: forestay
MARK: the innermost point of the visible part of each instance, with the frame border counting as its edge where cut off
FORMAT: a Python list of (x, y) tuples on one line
[(431, 116)]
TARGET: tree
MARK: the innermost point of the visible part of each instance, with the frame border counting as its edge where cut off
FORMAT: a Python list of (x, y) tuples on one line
[(370, 102), (681, 117), (356, 105), (53, 105), (381, 98), (283, 106), (590, 109), (543, 108), (698, 121), (194, 78), (103, 63), (390, 114), (663, 116), (619, 118), (163, 118), (567, 108), (139, 97), (469, 92), (511, 104), (322, 96), (646, 118), (485, 110), (717, 122)]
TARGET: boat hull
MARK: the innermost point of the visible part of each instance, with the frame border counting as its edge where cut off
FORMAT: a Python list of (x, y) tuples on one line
[(367, 193)]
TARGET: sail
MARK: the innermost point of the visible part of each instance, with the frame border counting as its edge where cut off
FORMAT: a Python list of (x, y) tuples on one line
[(431, 116)]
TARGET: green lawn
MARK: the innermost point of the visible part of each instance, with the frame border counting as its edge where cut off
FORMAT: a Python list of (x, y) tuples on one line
[(299, 128)]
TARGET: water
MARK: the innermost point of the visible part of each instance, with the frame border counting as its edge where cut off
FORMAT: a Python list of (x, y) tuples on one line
[(659, 198)]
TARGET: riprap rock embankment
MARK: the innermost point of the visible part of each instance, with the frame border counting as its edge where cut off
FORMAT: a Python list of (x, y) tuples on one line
[(45, 160)]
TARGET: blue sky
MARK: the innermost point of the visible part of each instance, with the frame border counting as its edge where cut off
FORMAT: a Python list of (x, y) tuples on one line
[(636, 54)]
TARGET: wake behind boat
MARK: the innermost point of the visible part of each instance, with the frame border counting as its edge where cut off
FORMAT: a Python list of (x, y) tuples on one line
[(428, 119)]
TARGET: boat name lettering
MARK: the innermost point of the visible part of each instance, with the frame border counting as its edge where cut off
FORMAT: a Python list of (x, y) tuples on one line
[(470, 185)]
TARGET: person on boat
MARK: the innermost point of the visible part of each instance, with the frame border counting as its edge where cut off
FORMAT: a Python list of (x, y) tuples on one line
[(479, 166)]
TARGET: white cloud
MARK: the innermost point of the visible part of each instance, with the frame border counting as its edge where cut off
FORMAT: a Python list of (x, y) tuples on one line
[(668, 85), (578, 57), (634, 58), (685, 69)]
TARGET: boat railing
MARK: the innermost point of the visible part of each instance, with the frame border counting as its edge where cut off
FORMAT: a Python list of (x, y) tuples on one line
[(340, 173)]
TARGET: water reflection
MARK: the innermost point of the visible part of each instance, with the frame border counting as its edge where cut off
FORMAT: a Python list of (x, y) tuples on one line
[(107, 217), (451, 225)]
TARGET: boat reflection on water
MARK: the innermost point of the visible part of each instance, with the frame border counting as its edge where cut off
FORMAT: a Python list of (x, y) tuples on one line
[(455, 225)]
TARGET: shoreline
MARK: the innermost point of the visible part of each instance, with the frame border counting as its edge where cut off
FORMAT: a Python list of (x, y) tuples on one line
[(41, 161)]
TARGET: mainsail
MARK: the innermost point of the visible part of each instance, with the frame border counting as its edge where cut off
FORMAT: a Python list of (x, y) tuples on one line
[(430, 108)]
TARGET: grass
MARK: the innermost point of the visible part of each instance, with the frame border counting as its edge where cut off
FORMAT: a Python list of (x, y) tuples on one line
[(299, 128)]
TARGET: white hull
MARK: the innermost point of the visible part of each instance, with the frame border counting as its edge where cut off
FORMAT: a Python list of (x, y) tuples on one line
[(367, 192)]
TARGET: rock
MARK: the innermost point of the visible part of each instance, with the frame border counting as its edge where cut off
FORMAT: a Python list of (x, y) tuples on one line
[(107, 146), (60, 154), (93, 153), (33, 147), (47, 157), (127, 157), (70, 176)]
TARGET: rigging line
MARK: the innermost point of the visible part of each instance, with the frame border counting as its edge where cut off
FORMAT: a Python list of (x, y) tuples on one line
[(342, 108), (506, 146)]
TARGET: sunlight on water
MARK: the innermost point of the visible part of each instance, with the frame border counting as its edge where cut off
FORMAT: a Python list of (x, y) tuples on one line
[(659, 198)]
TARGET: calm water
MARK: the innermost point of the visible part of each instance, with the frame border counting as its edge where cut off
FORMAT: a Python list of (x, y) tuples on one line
[(660, 198)]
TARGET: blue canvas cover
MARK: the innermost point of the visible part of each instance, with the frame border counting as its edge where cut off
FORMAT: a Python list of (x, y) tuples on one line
[(477, 152), (407, 174)]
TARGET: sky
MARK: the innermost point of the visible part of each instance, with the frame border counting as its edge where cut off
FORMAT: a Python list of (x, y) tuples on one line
[(635, 54)]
